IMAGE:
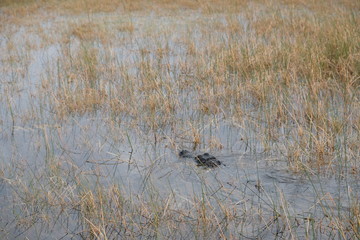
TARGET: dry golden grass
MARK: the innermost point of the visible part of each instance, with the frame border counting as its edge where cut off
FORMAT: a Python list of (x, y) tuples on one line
[(80, 101), (90, 32), (126, 27)]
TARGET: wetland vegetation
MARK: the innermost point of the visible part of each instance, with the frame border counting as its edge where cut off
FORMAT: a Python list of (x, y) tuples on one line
[(97, 98)]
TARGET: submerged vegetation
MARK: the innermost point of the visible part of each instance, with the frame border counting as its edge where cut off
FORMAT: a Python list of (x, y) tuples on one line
[(98, 97)]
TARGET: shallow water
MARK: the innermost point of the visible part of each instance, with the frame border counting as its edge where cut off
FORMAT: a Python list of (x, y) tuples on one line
[(249, 180), (32, 138)]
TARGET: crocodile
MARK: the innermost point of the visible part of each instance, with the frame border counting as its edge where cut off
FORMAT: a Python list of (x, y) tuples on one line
[(205, 160)]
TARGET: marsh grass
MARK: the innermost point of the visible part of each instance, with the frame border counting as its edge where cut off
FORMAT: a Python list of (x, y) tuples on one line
[(134, 74)]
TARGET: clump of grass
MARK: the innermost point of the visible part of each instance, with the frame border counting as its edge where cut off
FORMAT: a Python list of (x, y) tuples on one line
[(80, 100), (93, 32), (127, 26), (80, 90)]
